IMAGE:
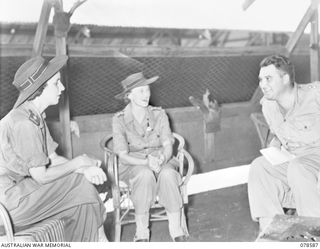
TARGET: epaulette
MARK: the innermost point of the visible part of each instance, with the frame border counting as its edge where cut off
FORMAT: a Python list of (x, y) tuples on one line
[(313, 85), (34, 118), (118, 114), (155, 108)]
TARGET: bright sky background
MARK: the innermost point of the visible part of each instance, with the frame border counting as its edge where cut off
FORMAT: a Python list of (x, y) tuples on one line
[(270, 15)]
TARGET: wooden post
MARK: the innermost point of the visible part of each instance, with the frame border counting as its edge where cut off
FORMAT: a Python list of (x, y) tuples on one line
[(42, 28), (292, 42), (314, 45), (209, 147), (247, 4), (64, 108), (211, 123)]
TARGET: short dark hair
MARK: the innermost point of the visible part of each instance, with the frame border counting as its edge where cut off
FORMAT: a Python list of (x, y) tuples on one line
[(126, 98), (282, 63), (38, 92)]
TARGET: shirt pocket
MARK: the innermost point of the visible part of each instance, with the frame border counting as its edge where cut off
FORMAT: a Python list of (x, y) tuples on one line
[(307, 130), (154, 139), (306, 124), (135, 141)]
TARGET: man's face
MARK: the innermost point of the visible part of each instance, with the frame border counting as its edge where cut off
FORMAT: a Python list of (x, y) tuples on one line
[(53, 90), (272, 82), (140, 96)]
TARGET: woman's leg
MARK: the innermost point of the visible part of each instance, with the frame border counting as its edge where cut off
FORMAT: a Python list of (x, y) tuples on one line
[(71, 198), (170, 197), (143, 188)]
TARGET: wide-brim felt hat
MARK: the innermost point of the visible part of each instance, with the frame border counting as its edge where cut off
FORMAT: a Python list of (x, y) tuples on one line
[(133, 81), (32, 74)]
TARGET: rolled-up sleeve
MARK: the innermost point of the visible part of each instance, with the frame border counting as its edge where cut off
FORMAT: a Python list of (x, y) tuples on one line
[(29, 144), (120, 142), (165, 131), (51, 144)]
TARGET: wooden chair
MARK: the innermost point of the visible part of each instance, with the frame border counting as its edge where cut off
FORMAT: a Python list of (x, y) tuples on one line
[(262, 128), (46, 231), (123, 208)]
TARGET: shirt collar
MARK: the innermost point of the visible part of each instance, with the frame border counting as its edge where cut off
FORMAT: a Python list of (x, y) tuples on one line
[(296, 99), (296, 94), (128, 116)]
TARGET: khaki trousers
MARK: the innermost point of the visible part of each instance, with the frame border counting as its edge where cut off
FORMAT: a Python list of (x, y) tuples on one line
[(292, 184), (145, 186)]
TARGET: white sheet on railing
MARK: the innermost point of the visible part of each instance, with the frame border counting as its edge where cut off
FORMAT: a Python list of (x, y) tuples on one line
[(198, 183), (218, 179)]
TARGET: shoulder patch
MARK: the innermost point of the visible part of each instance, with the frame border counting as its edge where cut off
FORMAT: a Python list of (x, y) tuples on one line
[(34, 118), (313, 85), (118, 114), (155, 108)]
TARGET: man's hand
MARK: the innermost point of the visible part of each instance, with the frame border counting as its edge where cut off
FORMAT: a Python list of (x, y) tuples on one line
[(293, 145), (93, 174)]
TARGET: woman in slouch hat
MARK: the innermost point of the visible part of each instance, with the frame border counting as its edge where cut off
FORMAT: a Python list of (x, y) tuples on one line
[(36, 183), (143, 141)]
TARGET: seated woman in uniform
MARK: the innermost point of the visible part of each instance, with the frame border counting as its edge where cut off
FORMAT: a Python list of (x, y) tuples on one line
[(35, 183), (143, 141)]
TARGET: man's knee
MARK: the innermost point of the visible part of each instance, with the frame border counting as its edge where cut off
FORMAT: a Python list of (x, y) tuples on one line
[(257, 168), (296, 169)]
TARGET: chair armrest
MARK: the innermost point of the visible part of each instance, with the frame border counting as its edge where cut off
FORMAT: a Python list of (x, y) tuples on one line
[(104, 141), (180, 139), (111, 164), (5, 220), (110, 158), (258, 118), (190, 167), (260, 124)]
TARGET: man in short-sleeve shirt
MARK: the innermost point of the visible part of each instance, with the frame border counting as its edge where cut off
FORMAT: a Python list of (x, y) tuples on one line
[(292, 112)]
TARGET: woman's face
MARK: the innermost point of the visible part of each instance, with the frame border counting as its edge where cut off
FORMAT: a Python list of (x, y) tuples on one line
[(53, 90), (140, 96)]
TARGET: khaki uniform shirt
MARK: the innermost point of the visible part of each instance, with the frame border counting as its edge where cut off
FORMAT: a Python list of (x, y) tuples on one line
[(301, 124), (141, 139), (25, 143)]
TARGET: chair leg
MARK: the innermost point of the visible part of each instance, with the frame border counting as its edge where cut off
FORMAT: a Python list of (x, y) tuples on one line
[(117, 225)]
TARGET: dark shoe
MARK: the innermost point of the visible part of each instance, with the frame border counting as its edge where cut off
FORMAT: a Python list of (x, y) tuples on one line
[(136, 239), (290, 211), (181, 238), (141, 240)]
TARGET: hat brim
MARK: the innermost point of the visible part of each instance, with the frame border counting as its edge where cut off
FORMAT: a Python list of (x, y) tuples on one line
[(53, 67), (142, 83)]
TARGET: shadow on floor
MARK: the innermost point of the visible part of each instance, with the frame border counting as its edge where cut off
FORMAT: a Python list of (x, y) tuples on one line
[(215, 216)]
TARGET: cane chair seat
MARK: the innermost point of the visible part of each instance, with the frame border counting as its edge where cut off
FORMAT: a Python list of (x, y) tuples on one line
[(45, 231)]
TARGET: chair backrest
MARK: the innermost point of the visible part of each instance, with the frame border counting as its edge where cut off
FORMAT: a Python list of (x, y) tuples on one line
[(6, 223), (262, 128)]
